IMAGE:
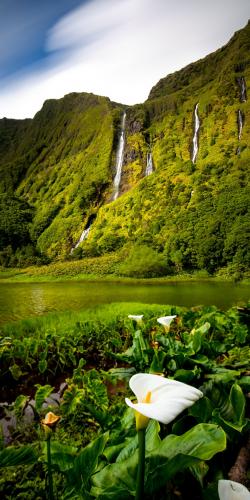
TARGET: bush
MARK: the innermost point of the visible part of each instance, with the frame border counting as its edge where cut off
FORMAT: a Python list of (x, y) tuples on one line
[(144, 262)]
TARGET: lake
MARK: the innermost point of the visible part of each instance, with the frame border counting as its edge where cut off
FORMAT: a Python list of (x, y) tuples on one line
[(23, 300)]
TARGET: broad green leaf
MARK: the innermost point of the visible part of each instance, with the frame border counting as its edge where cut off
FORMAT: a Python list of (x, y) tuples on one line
[(72, 398), (152, 441), (86, 462), (202, 441), (42, 365), (113, 493), (223, 375), (61, 455), (159, 470), (43, 392), (199, 471), (202, 410), (232, 413), (117, 477), (16, 371), (245, 382), (12, 456), (185, 376), (111, 452), (122, 373), (20, 404)]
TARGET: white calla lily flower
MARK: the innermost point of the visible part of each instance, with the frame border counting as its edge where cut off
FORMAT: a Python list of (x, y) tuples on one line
[(138, 319), (160, 398), (166, 320), (230, 490)]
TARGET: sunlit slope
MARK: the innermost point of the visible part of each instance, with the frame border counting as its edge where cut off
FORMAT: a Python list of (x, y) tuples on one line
[(196, 213), (62, 167)]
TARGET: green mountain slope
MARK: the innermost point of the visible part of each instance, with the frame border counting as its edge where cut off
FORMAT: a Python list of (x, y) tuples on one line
[(194, 213)]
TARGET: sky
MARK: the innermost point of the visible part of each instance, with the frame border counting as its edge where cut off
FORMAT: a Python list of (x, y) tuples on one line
[(115, 48)]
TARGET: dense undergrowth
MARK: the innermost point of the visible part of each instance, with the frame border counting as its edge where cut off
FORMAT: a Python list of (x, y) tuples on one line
[(94, 446)]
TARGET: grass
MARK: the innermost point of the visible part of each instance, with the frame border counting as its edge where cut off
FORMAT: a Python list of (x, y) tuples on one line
[(80, 270)]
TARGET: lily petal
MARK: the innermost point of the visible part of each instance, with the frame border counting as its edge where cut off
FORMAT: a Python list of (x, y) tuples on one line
[(230, 490), (168, 397), (166, 320), (136, 318)]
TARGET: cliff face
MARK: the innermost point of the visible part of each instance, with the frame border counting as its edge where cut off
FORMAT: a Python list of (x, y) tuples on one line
[(194, 127)]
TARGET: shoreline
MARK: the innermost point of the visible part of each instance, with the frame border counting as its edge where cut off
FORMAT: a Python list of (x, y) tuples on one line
[(22, 276)]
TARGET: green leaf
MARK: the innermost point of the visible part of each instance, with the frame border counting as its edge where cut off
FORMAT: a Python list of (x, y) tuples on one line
[(152, 441), (245, 382), (202, 410), (12, 457), (199, 471), (16, 371), (202, 441), (116, 477), (157, 363), (61, 455), (232, 413), (42, 365), (43, 392), (20, 404), (72, 398), (86, 462), (159, 470)]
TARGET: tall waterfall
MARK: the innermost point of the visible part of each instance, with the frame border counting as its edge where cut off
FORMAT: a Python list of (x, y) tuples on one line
[(119, 160), (243, 89), (240, 120), (196, 131), (149, 167)]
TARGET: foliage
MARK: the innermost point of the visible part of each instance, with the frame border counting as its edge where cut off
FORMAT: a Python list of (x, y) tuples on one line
[(94, 449), (143, 262), (195, 216)]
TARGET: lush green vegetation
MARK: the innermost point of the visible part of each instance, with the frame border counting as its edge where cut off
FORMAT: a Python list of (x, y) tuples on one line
[(94, 446), (194, 216)]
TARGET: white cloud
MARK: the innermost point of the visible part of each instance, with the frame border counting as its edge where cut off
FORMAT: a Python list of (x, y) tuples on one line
[(121, 48)]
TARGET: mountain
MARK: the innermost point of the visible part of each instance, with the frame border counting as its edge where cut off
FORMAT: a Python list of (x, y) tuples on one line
[(192, 212)]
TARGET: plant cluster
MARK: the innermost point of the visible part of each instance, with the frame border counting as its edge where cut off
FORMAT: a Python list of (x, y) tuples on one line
[(93, 450)]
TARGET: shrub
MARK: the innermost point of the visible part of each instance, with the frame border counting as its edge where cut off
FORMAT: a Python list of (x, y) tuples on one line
[(144, 262)]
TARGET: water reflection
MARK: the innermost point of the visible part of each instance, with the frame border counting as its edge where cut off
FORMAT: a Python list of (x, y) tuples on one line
[(22, 300)]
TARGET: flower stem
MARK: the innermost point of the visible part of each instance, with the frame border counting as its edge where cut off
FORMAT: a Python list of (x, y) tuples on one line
[(141, 465), (50, 478)]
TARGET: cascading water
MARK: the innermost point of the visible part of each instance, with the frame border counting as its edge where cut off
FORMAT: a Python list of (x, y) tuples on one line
[(119, 160), (196, 131), (83, 236), (149, 167), (243, 89), (85, 233), (240, 120)]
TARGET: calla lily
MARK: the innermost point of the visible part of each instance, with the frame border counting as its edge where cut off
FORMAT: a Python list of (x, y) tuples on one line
[(138, 319), (50, 420), (166, 321), (230, 490), (160, 398)]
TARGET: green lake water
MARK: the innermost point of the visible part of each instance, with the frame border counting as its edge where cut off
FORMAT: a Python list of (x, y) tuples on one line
[(24, 300)]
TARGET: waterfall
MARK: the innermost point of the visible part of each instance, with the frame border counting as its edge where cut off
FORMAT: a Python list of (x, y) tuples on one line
[(83, 236), (119, 160), (196, 131), (243, 89), (149, 167), (240, 120)]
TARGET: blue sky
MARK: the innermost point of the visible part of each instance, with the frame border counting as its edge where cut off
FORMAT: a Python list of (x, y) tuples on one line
[(117, 48)]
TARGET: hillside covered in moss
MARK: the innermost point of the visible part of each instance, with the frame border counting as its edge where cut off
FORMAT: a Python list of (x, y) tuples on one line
[(191, 212)]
